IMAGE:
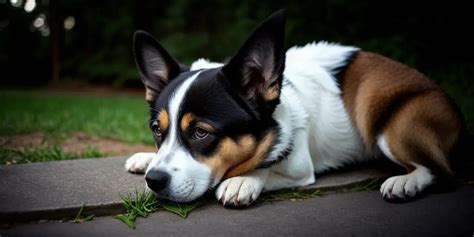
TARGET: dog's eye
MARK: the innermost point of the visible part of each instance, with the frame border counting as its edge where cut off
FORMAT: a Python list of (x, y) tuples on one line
[(156, 129), (200, 133)]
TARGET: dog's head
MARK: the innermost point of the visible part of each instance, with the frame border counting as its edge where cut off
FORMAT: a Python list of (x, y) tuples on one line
[(211, 124)]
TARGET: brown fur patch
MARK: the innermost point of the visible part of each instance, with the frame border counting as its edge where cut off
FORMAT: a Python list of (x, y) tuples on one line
[(272, 93), (163, 118), (186, 121), (424, 131), (229, 154), (374, 86), (234, 158), (255, 160), (150, 95), (384, 96)]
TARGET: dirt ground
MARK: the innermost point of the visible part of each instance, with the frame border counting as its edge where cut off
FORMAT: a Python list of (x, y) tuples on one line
[(77, 142)]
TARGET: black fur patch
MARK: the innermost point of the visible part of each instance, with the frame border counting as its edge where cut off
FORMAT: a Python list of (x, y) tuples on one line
[(338, 73), (280, 158)]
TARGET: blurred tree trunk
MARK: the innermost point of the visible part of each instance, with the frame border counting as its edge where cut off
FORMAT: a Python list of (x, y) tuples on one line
[(56, 38)]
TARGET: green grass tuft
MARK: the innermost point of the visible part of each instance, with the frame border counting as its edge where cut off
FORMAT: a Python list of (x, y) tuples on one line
[(142, 203), (9, 156), (180, 209), (137, 204), (368, 185)]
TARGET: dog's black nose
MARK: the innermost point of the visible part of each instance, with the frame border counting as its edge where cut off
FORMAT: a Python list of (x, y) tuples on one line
[(157, 180)]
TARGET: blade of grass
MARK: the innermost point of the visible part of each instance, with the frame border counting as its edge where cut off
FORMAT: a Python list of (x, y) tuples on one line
[(76, 219), (180, 209), (291, 194), (129, 220), (79, 218), (371, 184)]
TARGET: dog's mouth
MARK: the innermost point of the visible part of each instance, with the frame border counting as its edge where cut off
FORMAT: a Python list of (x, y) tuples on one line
[(188, 191), (166, 198)]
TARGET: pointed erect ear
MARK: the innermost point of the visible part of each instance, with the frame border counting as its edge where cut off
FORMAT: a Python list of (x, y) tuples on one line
[(155, 65), (257, 68)]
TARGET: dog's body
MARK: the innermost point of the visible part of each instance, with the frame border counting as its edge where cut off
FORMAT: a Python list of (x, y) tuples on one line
[(323, 107)]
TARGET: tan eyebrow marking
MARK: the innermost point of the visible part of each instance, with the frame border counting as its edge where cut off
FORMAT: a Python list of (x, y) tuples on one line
[(163, 119), (186, 121)]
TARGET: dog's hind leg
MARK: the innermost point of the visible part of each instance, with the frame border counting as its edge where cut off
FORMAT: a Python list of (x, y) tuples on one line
[(138, 162), (419, 137), (418, 176)]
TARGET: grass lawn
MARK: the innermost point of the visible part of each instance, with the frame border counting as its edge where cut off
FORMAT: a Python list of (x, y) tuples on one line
[(57, 116), (123, 118)]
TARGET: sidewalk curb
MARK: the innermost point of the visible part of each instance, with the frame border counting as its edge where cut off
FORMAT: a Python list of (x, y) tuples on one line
[(65, 213), (50, 190)]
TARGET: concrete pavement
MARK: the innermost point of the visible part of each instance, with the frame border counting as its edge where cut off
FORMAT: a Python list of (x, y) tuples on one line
[(55, 190), (337, 214)]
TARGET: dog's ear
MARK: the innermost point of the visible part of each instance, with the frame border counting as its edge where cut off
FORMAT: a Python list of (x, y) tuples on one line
[(155, 65), (257, 68)]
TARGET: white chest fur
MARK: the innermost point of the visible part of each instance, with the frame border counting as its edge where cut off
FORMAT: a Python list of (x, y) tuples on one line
[(312, 97)]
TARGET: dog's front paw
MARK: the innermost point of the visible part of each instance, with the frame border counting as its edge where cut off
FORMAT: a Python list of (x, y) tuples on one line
[(239, 191), (138, 162)]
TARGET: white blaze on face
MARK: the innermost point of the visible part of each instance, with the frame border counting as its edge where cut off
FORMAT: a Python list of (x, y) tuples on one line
[(189, 179)]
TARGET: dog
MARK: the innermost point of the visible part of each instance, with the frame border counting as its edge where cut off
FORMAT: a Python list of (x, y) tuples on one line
[(269, 119)]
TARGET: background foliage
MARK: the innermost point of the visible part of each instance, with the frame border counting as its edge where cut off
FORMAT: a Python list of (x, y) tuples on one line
[(433, 36)]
